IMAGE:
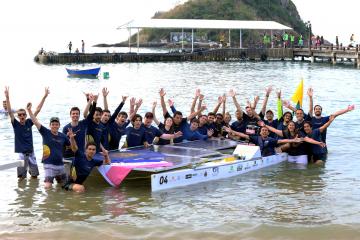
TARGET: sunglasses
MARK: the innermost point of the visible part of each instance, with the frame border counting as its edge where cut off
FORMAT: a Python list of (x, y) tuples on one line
[(21, 114)]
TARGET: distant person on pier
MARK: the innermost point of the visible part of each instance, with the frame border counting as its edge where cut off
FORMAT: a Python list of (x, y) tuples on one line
[(285, 39), (317, 42), (321, 40), (292, 40), (82, 46), (352, 40), (70, 46), (77, 50), (337, 41), (300, 41)]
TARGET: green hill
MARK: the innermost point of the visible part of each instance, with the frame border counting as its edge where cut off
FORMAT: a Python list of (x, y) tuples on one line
[(282, 11)]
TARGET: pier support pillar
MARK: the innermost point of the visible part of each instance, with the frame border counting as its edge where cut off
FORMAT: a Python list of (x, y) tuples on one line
[(358, 61), (240, 38), (192, 40), (312, 59)]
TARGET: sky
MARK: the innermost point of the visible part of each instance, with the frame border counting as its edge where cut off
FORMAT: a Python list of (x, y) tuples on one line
[(56, 21)]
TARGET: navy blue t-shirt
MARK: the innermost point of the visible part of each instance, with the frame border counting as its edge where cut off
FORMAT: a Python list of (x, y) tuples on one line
[(116, 131), (80, 131), (203, 129), (96, 133), (193, 135), (151, 133), (239, 126), (23, 136), (135, 137), (316, 135), (296, 149), (81, 167), (163, 129), (53, 146), (318, 122), (267, 145), (180, 127)]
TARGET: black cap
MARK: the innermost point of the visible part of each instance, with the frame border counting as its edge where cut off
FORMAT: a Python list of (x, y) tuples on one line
[(54, 119)]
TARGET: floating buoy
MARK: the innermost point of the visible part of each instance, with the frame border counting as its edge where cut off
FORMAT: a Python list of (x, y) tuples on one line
[(106, 75)]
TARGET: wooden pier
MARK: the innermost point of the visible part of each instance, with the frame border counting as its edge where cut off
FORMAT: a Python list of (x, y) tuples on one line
[(329, 53)]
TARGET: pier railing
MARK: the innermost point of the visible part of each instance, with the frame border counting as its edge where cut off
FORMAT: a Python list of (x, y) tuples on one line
[(330, 53)]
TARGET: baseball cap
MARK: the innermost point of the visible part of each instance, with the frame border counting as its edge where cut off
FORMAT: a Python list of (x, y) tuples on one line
[(54, 119)]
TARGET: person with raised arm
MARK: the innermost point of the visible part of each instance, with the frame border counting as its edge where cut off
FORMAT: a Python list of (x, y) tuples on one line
[(96, 131), (241, 119), (301, 117), (180, 122), (268, 115), (191, 133), (153, 132), (318, 155), (83, 164), (24, 146), (318, 120), (297, 151), (266, 143), (136, 135), (79, 127), (53, 145), (166, 127), (113, 128)]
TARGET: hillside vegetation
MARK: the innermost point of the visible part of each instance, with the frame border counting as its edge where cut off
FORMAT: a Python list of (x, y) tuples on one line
[(282, 11)]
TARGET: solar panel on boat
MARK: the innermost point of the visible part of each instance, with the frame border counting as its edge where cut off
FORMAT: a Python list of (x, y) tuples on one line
[(210, 144)]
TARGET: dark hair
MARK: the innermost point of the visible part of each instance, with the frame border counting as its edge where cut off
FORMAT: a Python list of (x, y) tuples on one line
[(90, 144), (135, 117), (177, 113), (287, 113), (318, 106), (149, 115), (195, 120), (21, 110), (269, 111), (211, 114), (74, 109), (219, 115), (98, 109), (106, 111), (300, 109), (202, 115), (123, 113), (308, 122)]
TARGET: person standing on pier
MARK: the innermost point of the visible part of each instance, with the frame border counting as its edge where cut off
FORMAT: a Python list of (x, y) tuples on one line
[(82, 46), (337, 41), (300, 41), (23, 137), (292, 40), (70, 46)]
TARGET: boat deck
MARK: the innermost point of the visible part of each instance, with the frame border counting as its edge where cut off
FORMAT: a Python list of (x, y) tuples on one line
[(179, 155)]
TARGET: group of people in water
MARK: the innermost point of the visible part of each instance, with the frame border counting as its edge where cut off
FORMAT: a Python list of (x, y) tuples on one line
[(100, 131)]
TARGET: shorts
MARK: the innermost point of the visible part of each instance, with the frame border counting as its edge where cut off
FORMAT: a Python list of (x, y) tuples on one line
[(29, 165), (321, 156), (301, 159), (55, 171)]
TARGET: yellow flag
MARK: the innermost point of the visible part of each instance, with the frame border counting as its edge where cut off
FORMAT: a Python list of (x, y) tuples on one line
[(298, 95)]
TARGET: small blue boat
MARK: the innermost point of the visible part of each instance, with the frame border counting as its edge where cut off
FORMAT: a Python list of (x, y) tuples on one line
[(93, 72)]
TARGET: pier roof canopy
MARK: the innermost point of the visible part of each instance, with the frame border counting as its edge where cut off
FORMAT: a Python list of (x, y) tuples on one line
[(203, 24)]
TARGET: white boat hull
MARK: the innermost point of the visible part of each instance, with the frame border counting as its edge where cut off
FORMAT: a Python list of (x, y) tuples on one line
[(211, 171)]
